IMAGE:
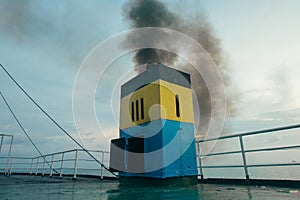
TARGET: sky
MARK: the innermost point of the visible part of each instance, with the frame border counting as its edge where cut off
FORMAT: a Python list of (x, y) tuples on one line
[(44, 43)]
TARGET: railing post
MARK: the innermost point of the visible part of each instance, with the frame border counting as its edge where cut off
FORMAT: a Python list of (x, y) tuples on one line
[(200, 160), (11, 165), (43, 170), (51, 166), (37, 166), (61, 164), (102, 166), (8, 157), (1, 142), (244, 157), (75, 165), (31, 166)]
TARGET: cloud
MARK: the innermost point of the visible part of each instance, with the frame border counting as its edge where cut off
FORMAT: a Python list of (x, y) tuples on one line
[(21, 19), (64, 31), (287, 116)]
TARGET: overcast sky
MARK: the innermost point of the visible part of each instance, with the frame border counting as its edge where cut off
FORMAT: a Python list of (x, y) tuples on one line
[(43, 43)]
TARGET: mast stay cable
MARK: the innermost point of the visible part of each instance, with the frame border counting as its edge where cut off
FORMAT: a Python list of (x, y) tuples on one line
[(24, 131), (56, 123)]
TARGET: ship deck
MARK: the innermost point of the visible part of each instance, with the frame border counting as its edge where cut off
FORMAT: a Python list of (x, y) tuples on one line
[(38, 187)]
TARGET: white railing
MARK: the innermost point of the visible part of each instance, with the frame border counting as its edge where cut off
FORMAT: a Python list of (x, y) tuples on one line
[(243, 151), (7, 159), (72, 163), (78, 162)]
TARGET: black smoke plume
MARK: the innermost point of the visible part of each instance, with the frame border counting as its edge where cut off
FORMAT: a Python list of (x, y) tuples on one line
[(154, 13)]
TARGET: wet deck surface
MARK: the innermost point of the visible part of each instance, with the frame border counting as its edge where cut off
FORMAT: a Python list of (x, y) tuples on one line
[(37, 187)]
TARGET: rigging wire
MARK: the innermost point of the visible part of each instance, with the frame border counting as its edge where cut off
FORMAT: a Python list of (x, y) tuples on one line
[(24, 131), (56, 123)]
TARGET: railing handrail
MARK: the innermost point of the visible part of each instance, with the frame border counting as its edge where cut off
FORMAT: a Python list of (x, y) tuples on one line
[(17, 157), (250, 133), (252, 150), (69, 151), (8, 135), (252, 165)]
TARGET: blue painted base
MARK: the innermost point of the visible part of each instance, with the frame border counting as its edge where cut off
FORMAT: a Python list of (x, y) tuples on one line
[(169, 151)]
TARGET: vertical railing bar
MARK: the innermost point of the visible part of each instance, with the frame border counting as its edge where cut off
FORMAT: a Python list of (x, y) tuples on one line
[(244, 157), (31, 166), (43, 170), (61, 164), (1, 142), (102, 165), (51, 167), (8, 157), (11, 166), (200, 160), (75, 164), (37, 166)]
